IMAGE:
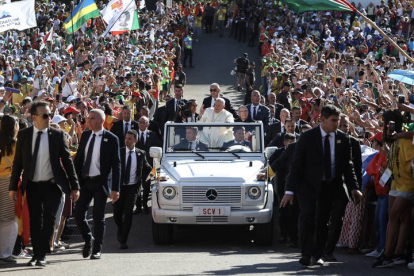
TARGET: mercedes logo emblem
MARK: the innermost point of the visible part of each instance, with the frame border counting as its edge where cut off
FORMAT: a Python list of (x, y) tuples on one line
[(211, 194)]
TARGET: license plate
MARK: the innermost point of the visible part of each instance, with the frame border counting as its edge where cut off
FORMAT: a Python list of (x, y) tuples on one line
[(212, 211)]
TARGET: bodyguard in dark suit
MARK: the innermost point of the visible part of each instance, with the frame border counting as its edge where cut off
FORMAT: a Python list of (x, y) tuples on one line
[(296, 113), (146, 140), (215, 93), (153, 125), (98, 167), (42, 154), (239, 133), (290, 127), (342, 199), (257, 111), (287, 228), (321, 161), (120, 128), (134, 171), (190, 142), (171, 107), (279, 127)]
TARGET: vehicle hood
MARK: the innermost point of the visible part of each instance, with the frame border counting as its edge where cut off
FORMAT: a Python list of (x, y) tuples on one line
[(213, 171)]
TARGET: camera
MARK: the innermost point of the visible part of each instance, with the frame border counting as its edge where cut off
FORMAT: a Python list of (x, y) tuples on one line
[(401, 99), (184, 108)]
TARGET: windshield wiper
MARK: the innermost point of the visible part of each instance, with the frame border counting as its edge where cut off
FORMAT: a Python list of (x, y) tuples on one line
[(202, 156), (226, 150)]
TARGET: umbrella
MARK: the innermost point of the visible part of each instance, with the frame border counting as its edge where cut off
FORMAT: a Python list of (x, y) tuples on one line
[(404, 76)]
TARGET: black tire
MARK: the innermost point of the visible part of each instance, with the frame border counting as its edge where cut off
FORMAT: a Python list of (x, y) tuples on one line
[(264, 233), (162, 233)]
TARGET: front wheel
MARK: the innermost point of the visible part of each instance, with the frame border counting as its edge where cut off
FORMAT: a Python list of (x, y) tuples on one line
[(162, 233), (264, 233)]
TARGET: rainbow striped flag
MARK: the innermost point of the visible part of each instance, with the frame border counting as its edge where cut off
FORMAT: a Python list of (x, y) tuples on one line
[(84, 11)]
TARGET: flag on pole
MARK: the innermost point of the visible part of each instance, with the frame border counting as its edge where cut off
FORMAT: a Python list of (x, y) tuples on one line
[(47, 37), (132, 25), (85, 10), (300, 6), (69, 49), (114, 8), (368, 154), (18, 15)]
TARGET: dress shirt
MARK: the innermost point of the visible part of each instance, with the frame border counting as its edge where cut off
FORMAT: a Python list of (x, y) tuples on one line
[(192, 119), (129, 125), (95, 168), (192, 145), (282, 127), (145, 135), (213, 101), (332, 145), (133, 171), (43, 170), (252, 109)]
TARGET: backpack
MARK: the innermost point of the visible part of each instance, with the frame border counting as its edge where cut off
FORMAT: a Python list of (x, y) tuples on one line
[(242, 65)]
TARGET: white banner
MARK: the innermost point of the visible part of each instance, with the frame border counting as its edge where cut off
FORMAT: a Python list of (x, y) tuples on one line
[(17, 15), (114, 9)]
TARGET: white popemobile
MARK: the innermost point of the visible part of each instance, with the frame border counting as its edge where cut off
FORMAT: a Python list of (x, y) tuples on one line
[(200, 184)]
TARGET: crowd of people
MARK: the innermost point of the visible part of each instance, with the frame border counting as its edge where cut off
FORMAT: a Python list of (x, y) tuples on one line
[(317, 70)]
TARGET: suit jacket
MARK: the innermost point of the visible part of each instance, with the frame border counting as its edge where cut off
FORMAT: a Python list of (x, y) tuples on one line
[(299, 124), (272, 131), (283, 163), (150, 141), (280, 176), (279, 139), (169, 113), (59, 153), (155, 127), (228, 106), (159, 117), (110, 164), (306, 172), (262, 114), (143, 167), (183, 145), (118, 129), (242, 143)]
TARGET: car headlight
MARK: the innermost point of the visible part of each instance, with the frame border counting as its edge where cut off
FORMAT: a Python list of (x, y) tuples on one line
[(254, 192), (169, 192)]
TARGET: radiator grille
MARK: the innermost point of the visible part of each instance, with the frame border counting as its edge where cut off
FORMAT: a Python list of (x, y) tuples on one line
[(225, 194)]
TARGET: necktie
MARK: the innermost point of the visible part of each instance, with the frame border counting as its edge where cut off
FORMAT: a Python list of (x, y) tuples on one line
[(126, 129), (88, 161), (34, 156), (190, 144), (128, 168), (214, 102), (141, 142), (327, 159), (254, 113)]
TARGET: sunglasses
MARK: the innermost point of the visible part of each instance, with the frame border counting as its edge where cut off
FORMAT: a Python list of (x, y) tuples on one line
[(213, 90), (45, 116)]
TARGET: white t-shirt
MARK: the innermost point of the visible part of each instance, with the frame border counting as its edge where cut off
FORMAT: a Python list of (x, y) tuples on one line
[(69, 90)]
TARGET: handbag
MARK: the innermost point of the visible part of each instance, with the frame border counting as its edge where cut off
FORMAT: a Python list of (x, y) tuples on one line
[(233, 72)]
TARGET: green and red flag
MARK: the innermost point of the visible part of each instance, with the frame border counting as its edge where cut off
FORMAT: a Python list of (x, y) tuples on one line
[(300, 6)]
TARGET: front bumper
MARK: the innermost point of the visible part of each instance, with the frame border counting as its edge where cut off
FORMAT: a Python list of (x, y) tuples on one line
[(235, 218)]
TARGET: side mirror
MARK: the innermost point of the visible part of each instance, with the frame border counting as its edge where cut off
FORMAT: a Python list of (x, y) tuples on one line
[(269, 151), (156, 152)]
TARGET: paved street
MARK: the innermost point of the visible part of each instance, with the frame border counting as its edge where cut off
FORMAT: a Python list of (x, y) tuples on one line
[(196, 250)]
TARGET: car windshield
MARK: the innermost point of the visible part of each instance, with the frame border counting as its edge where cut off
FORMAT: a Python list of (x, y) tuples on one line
[(223, 137)]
